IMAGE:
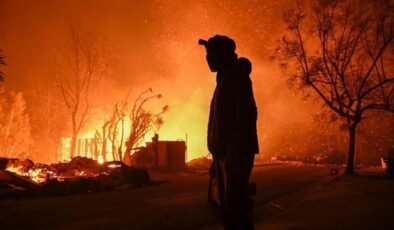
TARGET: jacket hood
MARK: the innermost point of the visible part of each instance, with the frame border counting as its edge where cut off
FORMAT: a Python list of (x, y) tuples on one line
[(244, 66)]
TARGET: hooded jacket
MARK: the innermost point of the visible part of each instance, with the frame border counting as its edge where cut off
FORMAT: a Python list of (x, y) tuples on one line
[(233, 112)]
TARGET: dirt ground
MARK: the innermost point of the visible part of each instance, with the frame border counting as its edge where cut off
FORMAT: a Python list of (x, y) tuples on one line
[(288, 197)]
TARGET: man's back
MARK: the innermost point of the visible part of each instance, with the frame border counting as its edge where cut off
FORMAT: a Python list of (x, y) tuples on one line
[(233, 115)]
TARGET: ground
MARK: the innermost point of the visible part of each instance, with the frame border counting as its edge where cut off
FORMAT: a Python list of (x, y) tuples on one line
[(289, 197)]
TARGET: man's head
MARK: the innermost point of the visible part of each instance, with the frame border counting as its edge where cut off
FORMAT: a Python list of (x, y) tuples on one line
[(220, 51)]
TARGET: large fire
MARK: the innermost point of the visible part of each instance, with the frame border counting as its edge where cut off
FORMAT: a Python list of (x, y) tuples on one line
[(36, 174), (148, 46), (78, 167), (80, 175)]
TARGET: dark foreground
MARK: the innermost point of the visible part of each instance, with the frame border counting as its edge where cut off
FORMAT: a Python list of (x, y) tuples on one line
[(288, 197)]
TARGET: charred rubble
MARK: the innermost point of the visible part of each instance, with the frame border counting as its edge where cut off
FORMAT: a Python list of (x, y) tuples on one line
[(24, 178)]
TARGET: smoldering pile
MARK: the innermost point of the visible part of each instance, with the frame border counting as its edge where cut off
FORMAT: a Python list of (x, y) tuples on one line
[(24, 178)]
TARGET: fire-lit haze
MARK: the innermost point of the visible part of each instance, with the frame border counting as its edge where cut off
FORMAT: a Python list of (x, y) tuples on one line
[(153, 44)]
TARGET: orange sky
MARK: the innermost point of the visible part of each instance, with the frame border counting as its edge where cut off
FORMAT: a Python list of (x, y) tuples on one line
[(154, 44)]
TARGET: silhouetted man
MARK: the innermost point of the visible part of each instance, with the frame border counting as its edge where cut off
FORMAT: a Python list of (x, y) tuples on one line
[(232, 136)]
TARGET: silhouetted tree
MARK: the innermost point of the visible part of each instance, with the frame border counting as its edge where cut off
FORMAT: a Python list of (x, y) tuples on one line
[(142, 120), (343, 51), (86, 63), (116, 134), (110, 131), (113, 130)]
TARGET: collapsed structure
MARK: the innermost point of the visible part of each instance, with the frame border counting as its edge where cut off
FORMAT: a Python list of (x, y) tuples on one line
[(85, 174), (165, 155), (156, 154)]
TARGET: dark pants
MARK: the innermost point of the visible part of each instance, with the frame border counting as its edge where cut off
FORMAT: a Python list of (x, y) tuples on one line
[(232, 174)]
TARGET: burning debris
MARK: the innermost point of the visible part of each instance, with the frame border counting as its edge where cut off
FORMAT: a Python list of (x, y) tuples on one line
[(200, 163), (80, 175)]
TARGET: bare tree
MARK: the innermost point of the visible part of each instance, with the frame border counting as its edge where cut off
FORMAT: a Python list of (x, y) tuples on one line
[(111, 132), (116, 134), (143, 120), (85, 64), (342, 51)]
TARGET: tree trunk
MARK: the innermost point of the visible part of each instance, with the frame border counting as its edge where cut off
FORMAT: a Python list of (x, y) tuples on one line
[(96, 154), (129, 146), (73, 144), (113, 139), (104, 147), (114, 155), (104, 150), (351, 150), (74, 137), (121, 142)]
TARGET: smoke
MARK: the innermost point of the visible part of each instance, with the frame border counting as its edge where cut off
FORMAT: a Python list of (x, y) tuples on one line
[(154, 45)]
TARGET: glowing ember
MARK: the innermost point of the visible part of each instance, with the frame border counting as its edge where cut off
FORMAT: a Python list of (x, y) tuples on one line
[(40, 173), (37, 175), (114, 166), (15, 169)]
